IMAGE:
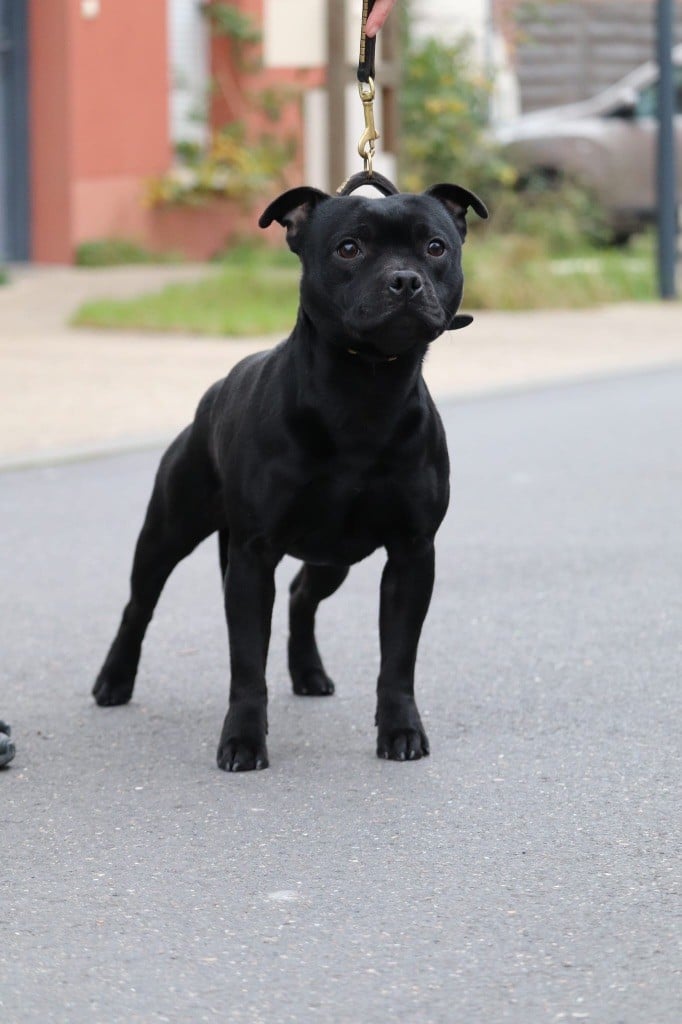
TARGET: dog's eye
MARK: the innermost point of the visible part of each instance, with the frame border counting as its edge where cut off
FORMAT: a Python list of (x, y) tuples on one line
[(435, 247), (348, 249)]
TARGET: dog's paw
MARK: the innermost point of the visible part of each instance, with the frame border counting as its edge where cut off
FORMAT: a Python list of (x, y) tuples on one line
[(400, 735), (112, 688), (242, 745), (312, 682), (403, 745), (242, 755)]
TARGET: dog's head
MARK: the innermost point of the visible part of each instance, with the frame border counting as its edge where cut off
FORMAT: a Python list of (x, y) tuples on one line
[(383, 274)]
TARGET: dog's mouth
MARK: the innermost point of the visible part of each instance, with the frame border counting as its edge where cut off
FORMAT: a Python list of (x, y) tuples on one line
[(395, 331)]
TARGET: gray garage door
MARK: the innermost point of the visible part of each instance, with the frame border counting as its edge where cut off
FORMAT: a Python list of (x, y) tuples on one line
[(14, 182)]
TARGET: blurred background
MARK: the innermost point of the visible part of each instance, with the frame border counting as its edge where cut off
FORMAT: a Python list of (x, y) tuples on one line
[(155, 131)]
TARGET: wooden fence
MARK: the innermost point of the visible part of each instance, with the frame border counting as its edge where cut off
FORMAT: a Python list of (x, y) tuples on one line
[(568, 51)]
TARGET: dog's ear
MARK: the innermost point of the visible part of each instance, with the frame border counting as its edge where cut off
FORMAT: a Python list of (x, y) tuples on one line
[(457, 201), (460, 321), (292, 210)]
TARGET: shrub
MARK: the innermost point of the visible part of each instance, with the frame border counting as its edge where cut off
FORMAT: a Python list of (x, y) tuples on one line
[(444, 117), (562, 213), (446, 137), (231, 168), (239, 163)]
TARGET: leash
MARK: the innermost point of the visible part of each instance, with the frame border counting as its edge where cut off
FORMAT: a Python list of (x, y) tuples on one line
[(367, 141), (367, 90)]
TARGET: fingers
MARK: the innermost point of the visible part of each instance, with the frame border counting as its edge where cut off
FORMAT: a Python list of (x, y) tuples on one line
[(380, 13)]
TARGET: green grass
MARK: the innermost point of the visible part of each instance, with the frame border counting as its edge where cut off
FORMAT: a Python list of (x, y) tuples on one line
[(511, 272), (118, 252), (251, 292), (3, 276), (254, 290)]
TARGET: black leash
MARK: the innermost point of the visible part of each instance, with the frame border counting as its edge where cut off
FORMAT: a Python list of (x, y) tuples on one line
[(366, 88), (367, 46)]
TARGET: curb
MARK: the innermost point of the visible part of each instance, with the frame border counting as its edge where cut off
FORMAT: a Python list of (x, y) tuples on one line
[(131, 444), (83, 453)]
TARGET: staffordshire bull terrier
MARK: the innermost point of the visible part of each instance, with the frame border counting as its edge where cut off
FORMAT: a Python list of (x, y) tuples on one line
[(325, 448)]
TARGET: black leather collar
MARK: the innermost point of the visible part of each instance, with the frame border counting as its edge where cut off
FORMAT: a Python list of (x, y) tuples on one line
[(369, 357), (456, 324)]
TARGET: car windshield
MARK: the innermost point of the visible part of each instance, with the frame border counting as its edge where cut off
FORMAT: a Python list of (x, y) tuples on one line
[(648, 98)]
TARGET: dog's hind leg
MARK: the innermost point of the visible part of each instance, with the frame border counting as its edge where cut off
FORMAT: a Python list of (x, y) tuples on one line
[(310, 586), (179, 516)]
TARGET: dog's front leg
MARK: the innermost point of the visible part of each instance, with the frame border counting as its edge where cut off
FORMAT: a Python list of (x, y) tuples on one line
[(406, 587), (249, 596)]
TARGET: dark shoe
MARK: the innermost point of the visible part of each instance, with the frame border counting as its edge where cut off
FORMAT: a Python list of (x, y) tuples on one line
[(7, 749)]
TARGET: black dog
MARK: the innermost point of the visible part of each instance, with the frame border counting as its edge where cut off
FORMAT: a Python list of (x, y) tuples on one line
[(326, 448)]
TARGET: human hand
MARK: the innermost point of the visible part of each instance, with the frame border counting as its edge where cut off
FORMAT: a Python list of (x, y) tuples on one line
[(380, 12)]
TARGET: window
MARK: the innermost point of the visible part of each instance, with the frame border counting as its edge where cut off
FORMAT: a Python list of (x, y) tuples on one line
[(648, 98)]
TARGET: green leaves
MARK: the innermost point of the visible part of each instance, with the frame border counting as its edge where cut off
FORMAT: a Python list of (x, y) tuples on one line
[(228, 20), (444, 114)]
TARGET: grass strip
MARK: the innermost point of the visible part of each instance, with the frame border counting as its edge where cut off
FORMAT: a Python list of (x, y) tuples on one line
[(255, 291), (232, 301), (515, 273)]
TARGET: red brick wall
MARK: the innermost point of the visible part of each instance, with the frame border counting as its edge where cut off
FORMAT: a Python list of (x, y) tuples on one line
[(99, 119), (120, 90), (50, 134)]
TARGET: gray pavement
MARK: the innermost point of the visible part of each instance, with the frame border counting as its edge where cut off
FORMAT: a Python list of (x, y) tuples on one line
[(528, 871)]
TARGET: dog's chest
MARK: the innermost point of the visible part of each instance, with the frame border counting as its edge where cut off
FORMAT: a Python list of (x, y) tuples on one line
[(346, 509)]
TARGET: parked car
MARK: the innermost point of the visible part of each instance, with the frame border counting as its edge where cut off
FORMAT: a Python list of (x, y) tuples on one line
[(608, 143)]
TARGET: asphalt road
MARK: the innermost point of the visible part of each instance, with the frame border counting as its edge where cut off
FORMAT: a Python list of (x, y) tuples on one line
[(528, 871)]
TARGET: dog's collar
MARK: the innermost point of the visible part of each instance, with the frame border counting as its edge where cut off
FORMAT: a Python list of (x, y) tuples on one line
[(456, 324), (368, 357)]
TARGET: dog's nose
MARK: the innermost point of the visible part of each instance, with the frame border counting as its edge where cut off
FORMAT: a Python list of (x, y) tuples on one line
[(405, 282)]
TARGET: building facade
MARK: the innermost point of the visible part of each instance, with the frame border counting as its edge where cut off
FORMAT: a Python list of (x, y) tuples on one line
[(83, 120), (95, 94)]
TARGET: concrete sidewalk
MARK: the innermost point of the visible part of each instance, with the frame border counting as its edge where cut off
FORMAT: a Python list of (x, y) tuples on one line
[(66, 391)]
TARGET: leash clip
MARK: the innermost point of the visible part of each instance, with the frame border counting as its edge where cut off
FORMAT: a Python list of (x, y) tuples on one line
[(366, 144)]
